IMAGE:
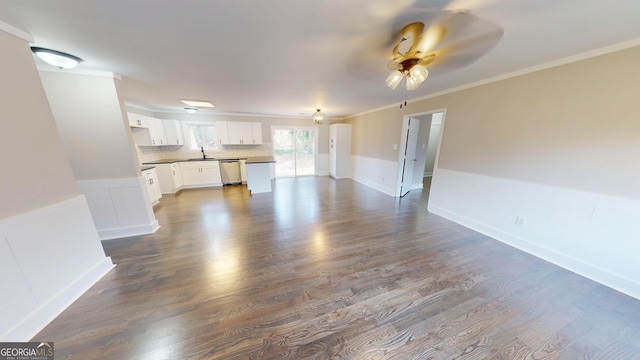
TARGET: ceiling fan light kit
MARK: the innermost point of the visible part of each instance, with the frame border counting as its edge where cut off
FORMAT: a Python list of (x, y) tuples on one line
[(394, 79)]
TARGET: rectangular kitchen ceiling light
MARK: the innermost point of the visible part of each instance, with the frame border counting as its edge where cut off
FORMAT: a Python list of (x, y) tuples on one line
[(195, 103)]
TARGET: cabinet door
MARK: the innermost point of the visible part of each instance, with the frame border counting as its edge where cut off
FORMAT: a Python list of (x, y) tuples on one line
[(222, 127), (176, 174), (153, 186), (156, 129), (256, 131), (173, 132), (240, 133), (211, 173), (190, 174)]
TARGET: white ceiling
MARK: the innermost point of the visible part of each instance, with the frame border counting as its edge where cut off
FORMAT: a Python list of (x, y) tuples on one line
[(289, 57)]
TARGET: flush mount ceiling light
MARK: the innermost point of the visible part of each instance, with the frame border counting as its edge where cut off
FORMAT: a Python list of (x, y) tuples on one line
[(191, 110), (198, 103), (318, 117), (56, 58)]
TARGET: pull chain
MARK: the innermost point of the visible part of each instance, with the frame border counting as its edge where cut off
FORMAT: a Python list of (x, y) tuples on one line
[(403, 99)]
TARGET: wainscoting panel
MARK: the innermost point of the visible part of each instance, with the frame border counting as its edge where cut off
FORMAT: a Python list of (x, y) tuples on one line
[(120, 207), (590, 234), (378, 174), (50, 256)]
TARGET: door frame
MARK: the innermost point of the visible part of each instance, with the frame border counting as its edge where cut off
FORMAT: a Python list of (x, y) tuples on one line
[(294, 127), (403, 144)]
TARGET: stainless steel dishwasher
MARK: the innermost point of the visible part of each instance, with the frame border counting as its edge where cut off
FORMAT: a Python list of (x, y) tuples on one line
[(230, 172)]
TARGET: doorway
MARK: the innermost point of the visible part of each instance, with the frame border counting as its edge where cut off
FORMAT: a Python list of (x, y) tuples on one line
[(420, 141), (294, 149)]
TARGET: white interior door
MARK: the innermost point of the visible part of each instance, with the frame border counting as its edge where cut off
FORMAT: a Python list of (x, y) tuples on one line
[(409, 156)]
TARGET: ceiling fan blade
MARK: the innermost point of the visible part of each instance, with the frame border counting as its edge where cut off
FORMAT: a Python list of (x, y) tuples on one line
[(458, 53), (430, 39), (405, 49)]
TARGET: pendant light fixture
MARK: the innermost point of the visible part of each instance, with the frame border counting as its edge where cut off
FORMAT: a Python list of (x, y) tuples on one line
[(56, 58), (318, 117)]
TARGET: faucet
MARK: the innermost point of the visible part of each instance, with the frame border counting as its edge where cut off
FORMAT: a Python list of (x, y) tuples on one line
[(204, 156)]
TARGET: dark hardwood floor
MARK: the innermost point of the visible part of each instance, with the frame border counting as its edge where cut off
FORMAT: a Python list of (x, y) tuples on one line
[(331, 269)]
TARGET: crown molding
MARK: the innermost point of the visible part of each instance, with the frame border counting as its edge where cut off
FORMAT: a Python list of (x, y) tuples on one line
[(16, 32)]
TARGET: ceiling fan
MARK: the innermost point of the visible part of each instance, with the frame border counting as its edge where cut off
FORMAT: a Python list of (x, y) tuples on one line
[(453, 39)]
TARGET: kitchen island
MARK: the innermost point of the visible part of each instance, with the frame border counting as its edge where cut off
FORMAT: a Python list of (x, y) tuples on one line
[(259, 174)]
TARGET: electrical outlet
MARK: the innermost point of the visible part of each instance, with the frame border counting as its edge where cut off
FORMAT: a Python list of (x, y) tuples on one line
[(520, 221)]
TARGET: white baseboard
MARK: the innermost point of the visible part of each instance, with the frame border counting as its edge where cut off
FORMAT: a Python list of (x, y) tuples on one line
[(374, 186), (110, 234), (47, 312)]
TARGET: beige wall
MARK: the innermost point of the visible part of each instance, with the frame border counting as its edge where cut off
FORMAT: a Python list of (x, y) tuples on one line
[(573, 126), (35, 169), (88, 113), (374, 134)]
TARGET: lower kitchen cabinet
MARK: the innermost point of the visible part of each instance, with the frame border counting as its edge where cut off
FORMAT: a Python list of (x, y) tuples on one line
[(153, 185), (170, 177), (200, 173)]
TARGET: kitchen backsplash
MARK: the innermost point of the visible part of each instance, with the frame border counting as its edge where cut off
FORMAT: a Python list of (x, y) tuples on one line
[(152, 153)]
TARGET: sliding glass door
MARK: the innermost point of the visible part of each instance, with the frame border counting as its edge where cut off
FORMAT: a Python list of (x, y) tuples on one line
[(294, 149)]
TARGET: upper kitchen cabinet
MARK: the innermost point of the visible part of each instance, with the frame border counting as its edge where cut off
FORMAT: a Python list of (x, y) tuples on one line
[(256, 130), (148, 131), (152, 135), (173, 132), (136, 120), (240, 133)]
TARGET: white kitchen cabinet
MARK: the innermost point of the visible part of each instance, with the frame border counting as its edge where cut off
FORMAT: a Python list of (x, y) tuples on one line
[(151, 135), (136, 120), (239, 133), (153, 186), (222, 127), (200, 173), (256, 130), (340, 150), (156, 129), (176, 174), (169, 177), (173, 132)]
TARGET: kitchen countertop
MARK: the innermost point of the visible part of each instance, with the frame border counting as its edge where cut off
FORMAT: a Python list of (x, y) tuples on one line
[(169, 161), (260, 159), (145, 168)]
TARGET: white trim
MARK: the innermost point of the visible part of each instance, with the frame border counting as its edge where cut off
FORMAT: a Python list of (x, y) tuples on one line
[(53, 69), (551, 64), (16, 32)]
